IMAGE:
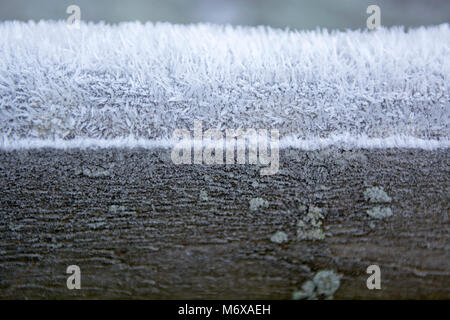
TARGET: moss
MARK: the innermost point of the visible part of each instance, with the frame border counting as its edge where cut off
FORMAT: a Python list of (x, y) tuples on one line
[(376, 195), (380, 212), (257, 203), (323, 286), (310, 226), (279, 237)]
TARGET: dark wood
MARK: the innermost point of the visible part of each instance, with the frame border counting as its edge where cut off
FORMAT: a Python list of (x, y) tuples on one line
[(167, 243)]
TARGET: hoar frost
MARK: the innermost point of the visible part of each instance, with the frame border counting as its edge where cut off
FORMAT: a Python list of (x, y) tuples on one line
[(137, 91)]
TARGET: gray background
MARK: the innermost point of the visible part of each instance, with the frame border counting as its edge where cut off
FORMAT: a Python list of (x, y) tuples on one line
[(295, 14)]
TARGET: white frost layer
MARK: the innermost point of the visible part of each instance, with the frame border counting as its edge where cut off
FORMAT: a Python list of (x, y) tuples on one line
[(343, 141), (106, 82)]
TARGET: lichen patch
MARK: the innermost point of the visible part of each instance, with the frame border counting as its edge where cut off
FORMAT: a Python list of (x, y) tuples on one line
[(279, 237), (309, 227), (323, 286), (376, 195), (258, 203), (116, 208), (380, 212), (203, 195)]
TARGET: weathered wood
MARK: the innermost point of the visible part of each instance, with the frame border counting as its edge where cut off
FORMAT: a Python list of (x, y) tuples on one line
[(140, 227)]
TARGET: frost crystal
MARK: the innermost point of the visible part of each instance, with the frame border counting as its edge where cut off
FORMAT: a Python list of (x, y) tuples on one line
[(143, 81)]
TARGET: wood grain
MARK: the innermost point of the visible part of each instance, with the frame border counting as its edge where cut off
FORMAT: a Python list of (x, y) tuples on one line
[(137, 227)]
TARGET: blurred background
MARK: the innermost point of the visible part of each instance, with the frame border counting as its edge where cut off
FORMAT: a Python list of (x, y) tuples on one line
[(295, 14)]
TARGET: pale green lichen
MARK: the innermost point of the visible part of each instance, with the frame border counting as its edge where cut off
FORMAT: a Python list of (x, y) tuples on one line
[(203, 195), (95, 171), (115, 208), (207, 178), (376, 195), (96, 225), (309, 227), (323, 286), (302, 208), (279, 237), (306, 292), (257, 203), (380, 212), (327, 283)]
